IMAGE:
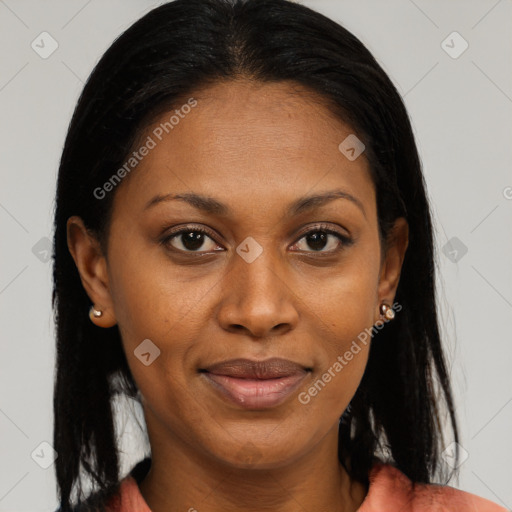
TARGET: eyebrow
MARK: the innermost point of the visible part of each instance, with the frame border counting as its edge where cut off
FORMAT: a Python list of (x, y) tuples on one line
[(215, 207)]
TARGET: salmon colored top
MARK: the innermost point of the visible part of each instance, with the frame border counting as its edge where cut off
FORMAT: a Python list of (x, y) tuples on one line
[(389, 490)]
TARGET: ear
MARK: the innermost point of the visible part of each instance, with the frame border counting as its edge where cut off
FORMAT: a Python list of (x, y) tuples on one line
[(92, 267), (397, 242)]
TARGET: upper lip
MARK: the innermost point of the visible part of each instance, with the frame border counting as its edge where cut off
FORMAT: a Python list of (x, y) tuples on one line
[(272, 368)]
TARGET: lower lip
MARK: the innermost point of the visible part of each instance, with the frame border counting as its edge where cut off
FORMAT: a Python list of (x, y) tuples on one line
[(255, 393)]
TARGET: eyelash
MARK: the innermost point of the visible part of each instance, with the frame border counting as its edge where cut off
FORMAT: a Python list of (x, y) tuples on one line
[(345, 240)]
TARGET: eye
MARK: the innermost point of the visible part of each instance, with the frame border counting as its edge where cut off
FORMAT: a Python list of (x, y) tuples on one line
[(321, 237), (190, 239)]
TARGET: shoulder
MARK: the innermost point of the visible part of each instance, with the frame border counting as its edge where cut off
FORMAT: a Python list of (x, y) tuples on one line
[(389, 487), (124, 495), (99, 501)]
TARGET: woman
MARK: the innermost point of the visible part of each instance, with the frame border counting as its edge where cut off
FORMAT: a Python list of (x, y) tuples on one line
[(243, 244)]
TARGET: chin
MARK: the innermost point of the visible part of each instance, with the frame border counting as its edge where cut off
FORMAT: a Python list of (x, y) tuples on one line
[(264, 456)]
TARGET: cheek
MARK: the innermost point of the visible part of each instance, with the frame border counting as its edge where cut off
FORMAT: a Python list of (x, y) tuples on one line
[(153, 298), (345, 312), (331, 388), (344, 299), (159, 302)]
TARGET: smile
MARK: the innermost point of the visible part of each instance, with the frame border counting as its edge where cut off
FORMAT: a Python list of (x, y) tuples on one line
[(255, 393)]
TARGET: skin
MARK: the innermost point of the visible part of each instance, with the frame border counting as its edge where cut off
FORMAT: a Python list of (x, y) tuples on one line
[(257, 148)]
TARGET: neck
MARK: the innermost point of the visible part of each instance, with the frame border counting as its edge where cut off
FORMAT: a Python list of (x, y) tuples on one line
[(181, 479)]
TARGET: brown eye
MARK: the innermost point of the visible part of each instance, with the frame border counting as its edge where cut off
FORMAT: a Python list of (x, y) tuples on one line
[(316, 240), (190, 240)]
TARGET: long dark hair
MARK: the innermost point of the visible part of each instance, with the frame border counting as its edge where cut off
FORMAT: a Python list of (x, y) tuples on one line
[(161, 59)]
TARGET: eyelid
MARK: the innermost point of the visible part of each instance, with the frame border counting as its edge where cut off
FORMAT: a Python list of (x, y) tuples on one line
[(193, 227), (322, 226)]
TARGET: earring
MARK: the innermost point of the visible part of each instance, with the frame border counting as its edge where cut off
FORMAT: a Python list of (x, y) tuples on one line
[(386, 311), (94, 313)]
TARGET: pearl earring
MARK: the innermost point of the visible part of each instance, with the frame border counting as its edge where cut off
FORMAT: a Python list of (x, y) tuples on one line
[(94, 313), (385, 310)]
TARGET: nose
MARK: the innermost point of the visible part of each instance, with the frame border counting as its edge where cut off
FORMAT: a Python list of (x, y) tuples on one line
[(258, 298)]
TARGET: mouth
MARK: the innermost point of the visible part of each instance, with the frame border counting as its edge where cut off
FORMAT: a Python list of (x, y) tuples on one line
[(255, 384)]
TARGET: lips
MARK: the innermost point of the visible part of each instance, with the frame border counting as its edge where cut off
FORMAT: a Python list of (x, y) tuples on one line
[(247, 369), (255, 384)]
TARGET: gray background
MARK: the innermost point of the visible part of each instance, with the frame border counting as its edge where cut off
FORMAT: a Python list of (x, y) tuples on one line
[(461, 110)]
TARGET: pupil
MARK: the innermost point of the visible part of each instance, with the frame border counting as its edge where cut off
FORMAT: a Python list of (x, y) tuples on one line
[(192, 240), (317, 240)]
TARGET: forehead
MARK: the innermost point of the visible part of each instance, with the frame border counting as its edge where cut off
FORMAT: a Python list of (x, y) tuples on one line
[(247, 140)]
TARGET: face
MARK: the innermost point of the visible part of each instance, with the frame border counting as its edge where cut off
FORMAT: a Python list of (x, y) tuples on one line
[(248, 270)]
